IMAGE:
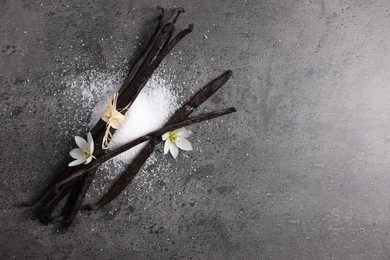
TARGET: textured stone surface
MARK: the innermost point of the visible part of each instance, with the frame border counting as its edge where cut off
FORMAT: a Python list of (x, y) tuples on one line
[(299, 172)]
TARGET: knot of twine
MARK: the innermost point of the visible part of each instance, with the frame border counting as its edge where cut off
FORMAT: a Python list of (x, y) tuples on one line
[(113, 118)]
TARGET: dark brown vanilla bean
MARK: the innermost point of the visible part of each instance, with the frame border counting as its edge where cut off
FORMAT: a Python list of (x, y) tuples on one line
[(45, 212), (172, 44), (86, 182), (131, 94), (51, 196), (145, 74), (153, 66), (133, 71), (132, 170), (78, 192), (151, 44), (150, 136), (160, 38), (200, 97), (75, 189), (48, 192), (126, 177)]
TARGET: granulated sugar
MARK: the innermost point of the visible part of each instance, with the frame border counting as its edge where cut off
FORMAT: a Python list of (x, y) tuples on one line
[(150, 111)]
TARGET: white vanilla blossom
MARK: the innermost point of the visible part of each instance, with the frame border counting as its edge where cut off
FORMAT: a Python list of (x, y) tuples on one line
[(83, 154), (175, 140)]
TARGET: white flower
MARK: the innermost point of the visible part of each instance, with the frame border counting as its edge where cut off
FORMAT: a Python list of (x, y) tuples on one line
[(175, 140), (85, 151)]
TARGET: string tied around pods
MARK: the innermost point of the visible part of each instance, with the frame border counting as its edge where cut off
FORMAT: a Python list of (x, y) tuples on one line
[(113, 119)]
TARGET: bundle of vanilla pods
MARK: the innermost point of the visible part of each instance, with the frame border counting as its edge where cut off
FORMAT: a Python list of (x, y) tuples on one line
[(72, 183)]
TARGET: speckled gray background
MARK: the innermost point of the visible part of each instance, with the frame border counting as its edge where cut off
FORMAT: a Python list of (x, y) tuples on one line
[(301, 171)]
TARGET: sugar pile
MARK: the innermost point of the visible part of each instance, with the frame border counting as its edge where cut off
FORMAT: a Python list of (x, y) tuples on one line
[(150, 111), (152, 108)]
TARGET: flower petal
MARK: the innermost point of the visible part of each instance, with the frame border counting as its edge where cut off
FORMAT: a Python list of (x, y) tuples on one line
[(184, 133), (165, 136), (90, 142), (76, 162), (77, 153), (167, 145), (81, 143), (89, 159), (174, 150), (184, 144)]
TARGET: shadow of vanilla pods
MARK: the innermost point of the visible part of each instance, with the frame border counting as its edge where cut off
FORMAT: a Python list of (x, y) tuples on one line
[(73, 183)]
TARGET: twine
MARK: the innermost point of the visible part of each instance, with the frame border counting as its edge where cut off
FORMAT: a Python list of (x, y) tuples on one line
[(113, 118)]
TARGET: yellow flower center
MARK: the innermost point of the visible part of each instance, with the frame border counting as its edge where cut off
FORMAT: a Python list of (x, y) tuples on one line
[(173, 137), (87, 153)]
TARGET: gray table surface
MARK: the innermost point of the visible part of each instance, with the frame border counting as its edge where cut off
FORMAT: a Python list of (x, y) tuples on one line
[(299, 172)]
